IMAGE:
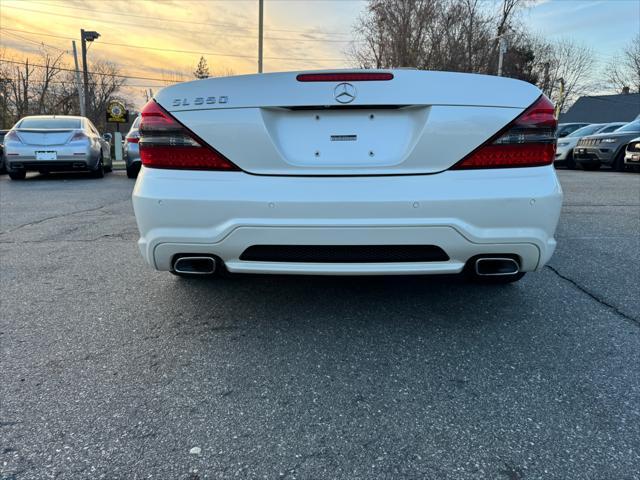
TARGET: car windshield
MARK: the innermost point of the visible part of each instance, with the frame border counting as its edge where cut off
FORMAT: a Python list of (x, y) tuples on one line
[(588, 130), (2, 137), (630, 127), (567, 128), (610, 128), (50, 123)]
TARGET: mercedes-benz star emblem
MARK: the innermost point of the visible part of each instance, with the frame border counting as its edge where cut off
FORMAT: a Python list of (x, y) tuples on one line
[(344, 93)]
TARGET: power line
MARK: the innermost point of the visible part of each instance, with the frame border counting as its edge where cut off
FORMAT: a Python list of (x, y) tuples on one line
[(115, 75), (66, 51), (24, 39), (168, 29), (197, 52), (190, 22)]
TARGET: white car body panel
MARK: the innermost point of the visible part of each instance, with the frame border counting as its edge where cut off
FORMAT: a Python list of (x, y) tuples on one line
[(392, 186), (407, 141)]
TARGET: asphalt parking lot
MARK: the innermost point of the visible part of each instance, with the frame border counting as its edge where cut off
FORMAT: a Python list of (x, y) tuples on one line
[(111, 370)]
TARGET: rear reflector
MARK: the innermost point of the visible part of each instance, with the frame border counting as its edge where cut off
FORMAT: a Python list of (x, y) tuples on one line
[(528, 141), (166, 143), (344, 77)]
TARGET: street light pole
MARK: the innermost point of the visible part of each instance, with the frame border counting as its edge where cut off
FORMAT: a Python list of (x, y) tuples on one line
[(260, 32), (88, 36), (83, 113)]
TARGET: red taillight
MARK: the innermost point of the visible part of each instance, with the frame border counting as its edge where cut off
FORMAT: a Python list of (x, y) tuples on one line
[(166, 143), (132, 138), (528, 141), (344, 77), (78, 136)]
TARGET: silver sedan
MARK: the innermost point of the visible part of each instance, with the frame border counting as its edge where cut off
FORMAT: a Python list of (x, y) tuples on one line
[(47, 143)]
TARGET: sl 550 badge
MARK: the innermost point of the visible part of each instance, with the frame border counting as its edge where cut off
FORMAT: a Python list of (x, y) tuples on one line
[(185, 102)]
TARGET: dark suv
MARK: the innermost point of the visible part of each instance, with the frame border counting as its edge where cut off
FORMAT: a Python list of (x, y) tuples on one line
[(605, 148)]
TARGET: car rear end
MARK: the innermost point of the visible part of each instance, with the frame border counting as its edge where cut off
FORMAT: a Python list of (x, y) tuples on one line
[(359, 172), (48, 143)]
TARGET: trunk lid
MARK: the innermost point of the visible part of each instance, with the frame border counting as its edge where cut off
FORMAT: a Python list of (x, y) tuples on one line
[(418, 122), (45, 136)]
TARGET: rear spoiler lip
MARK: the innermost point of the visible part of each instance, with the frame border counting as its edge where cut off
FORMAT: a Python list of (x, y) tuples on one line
[(45, 130)]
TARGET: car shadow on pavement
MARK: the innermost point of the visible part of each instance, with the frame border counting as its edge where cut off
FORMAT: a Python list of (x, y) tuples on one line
[(286, 301), (40, 177)]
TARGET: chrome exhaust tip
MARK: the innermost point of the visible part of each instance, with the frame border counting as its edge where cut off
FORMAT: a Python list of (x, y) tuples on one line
[(194, 265), (496, 266)]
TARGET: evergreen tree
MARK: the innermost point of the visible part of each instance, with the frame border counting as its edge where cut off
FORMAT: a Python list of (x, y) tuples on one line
[(202, 70)]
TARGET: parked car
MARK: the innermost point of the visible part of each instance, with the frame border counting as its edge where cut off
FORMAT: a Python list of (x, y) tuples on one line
[(593, 151), (2, 160), (131, 151), (349, 173), (47, 143), (632, 154), (565, 129), (564, 151)]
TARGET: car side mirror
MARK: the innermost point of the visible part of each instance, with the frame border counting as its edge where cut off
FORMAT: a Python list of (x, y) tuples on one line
[(107, 137), (563, 134)]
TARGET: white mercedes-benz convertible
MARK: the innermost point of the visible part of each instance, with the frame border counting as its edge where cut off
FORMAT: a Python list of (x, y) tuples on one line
[(359, 172)]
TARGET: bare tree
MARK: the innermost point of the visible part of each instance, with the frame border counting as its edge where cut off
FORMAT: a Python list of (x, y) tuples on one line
[(563, 67), (455, 35), (49, 70), (104, 84), (624, 70)]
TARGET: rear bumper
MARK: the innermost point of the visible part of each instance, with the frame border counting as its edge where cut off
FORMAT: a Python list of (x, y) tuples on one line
[(60, 165), (466, 213)]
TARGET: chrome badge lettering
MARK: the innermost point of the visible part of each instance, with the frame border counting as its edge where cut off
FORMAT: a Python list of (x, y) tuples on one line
[(197, 101)]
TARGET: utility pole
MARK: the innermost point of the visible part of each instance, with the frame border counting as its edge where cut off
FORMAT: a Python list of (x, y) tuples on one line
[(502, 49), (78, 86), (88, 36), (260, 32)]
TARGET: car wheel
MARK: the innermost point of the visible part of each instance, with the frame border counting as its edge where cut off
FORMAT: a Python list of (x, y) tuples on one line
[(618, 164), (570, 163), (20, 175), (133, 170), (99, 171)]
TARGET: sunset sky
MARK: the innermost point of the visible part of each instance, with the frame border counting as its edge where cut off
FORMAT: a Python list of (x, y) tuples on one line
[(170, 36)]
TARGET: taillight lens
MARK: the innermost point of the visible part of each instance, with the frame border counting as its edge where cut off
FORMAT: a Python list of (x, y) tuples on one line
[(132, 138), (78, 136), (528, 141), (12, 136), (166, 143)]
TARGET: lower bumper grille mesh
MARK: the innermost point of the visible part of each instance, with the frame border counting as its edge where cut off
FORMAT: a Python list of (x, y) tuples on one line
[(344, 253)]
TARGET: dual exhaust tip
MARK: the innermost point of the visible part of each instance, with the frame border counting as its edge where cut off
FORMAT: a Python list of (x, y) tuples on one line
[(496, 266), (194, 265)]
